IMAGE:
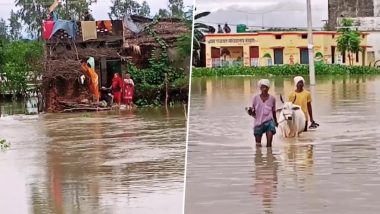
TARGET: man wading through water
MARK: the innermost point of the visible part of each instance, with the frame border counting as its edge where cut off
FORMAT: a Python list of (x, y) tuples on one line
[(264, 112), (303, 100)]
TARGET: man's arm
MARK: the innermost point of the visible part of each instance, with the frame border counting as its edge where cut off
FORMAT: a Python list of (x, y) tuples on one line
[(310, 110), (274, 113), (275, 118), (253, 107)]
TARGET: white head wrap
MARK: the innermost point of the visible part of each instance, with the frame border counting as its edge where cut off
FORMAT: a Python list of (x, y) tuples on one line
[(264, 82), (297, 79)]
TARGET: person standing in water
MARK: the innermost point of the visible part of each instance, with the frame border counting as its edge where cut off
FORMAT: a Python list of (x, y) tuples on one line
[(128, 91), (303, 99), (116, 87), (264, 112)]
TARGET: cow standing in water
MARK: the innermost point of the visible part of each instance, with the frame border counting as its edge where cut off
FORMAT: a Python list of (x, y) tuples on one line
[(291, 120)]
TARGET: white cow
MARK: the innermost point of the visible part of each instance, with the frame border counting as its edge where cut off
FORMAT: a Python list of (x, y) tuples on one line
[(291, 120)]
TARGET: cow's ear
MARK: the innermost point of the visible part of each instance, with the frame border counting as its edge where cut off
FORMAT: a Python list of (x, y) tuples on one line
[(295, 108)]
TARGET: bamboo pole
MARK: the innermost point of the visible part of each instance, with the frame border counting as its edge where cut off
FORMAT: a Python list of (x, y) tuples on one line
[(166, 89)]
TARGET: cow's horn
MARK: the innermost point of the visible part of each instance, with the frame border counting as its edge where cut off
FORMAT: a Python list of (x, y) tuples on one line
[(281, 98), (295, 97)]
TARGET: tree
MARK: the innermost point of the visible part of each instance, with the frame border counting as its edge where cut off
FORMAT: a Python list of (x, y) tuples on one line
[(176, 8), (33, 12), (14, 26), (198, 36), (122, 7), (184, 41), (348, 40), (74, 10), (144, 9), (162, 13), (3, 30), (22, 60)]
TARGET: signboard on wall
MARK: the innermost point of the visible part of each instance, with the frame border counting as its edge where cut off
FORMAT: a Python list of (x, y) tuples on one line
[(232, 41)]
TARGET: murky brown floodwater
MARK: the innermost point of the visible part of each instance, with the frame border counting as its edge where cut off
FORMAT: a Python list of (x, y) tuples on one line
[(334, 169), (93, 163)]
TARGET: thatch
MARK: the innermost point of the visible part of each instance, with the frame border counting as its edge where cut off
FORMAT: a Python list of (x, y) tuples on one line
[(168, 29), (67, 69), (83, 53)]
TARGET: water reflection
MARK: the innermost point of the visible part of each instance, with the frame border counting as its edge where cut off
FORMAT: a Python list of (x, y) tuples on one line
[(266, 178), (333, 169), (24, 106), (106, 162)]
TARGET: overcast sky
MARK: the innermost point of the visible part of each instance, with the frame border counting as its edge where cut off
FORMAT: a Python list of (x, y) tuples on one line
[(100, 10), (273, 13)]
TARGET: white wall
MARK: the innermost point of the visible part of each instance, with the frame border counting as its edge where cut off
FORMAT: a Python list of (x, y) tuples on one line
[(376, 5), (373, 40)]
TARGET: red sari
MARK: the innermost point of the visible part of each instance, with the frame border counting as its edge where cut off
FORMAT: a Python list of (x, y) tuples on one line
[(128, 91), (117, 85)]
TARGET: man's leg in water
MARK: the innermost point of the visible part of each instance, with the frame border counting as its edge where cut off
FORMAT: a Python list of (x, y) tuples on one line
[(258, 133), (269, 138), (258, 140)]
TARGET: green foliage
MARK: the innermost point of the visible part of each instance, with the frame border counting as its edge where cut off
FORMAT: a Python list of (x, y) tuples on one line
[(348, 40), (14, 26), (198, 36), (176, 8), (267, 55), (21, 64), (120, 8), (4, 145), (3, 30), (284, 70), (150, 82), (69, 11), (183, 43), (3, 43), (144, 9), (162, 13)]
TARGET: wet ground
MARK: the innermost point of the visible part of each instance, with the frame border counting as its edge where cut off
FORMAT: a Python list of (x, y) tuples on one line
[(115, 162), (334, 169)]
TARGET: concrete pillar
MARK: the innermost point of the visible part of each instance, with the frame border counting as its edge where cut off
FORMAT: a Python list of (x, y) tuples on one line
[(208, 56), (246, 56)]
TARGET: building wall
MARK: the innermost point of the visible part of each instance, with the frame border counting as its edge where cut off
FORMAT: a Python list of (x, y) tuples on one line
[(290, 42), (373, 41), (376, 5), (350, 8)]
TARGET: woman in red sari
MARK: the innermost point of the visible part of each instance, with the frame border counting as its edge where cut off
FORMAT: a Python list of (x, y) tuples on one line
[(116, 87), (128, 91)]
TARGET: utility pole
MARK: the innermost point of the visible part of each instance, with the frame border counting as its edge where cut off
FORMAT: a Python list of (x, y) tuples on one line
[(310, 44)]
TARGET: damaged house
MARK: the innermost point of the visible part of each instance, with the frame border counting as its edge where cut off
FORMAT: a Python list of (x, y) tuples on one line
[(111, 44)]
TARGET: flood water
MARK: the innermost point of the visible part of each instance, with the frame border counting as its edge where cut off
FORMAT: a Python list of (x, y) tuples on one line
[(334, 169), (109, 162)]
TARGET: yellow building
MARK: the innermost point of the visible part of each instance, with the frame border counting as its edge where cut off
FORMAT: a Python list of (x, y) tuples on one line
[(268, 48)]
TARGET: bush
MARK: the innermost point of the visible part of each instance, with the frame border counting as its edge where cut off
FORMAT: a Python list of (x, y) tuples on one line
[(18, 61), (150, 82), (284, 70)]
